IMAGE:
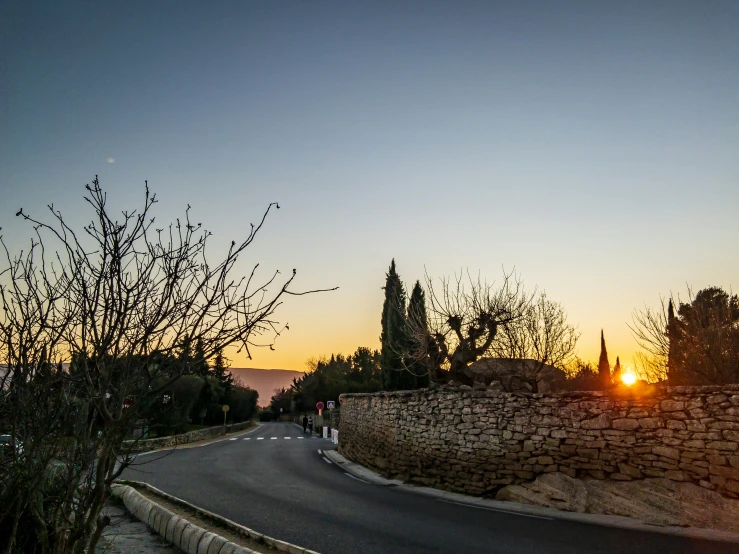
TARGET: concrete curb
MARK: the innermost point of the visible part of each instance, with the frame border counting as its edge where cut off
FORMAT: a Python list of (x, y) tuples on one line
[(621, 522), (187, 536)]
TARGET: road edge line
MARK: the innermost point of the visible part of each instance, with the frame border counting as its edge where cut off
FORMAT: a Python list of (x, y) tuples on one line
[(148, 511), (621, 522)]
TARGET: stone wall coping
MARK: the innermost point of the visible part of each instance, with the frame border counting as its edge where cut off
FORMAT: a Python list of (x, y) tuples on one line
[(621, 392)]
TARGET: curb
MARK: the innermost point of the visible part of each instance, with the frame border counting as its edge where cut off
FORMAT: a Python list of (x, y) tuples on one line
[(621, 522), (187, 536)]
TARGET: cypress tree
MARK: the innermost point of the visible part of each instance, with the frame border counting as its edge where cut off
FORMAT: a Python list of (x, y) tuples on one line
[(199, 363), (394, 332), (604, 368), (419, 323), (673, 373), (220, 371), (616, 377)]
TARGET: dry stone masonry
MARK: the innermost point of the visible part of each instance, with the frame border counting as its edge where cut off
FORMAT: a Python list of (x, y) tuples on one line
[(479, 441)]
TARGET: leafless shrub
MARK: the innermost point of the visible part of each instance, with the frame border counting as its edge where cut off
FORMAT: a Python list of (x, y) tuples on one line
[(120, 299)]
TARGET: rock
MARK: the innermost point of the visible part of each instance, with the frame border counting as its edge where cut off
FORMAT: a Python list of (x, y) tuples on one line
[(625, 424), (656, 501), (495, 386), (603, 421)]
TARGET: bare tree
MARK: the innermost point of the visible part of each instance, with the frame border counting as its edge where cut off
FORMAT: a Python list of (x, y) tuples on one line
[(696, 344), (541, 337), (649, 328), (464, 317), (119, 299)]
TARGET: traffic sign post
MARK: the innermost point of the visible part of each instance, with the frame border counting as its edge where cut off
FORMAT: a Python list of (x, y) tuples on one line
[(330, 404), (319, 407), (225, 409)]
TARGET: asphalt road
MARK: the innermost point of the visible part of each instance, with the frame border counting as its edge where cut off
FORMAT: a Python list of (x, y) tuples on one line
[(284, 488)]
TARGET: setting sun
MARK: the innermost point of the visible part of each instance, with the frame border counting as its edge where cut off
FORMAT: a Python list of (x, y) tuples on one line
[(628, 378)]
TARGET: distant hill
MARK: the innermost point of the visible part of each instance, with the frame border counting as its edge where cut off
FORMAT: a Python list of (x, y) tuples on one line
[(265, 381)]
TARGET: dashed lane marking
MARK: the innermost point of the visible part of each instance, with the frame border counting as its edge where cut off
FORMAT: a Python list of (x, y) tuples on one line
[(494, 510), (260, 438), (247, 439), (319, 451), (273, 438), (288, 438), (300, 438), (327, 461), (234, 439)]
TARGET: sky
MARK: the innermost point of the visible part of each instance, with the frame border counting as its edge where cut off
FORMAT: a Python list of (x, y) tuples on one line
[(592, 147)]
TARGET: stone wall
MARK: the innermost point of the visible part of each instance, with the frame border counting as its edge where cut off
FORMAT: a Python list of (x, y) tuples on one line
[(183, 438), (478, 441)]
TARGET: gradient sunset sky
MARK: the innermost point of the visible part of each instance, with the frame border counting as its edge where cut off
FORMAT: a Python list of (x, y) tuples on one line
[(591, 146)]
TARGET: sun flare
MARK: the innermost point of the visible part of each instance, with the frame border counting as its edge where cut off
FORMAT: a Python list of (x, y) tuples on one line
[(628, 378)]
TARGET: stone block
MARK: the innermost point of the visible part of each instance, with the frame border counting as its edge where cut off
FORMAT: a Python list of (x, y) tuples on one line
[(724, 471), (732, 486), (230, 548), (723, 445), (675, 424), (676, 475), (630, 470), (603, 421), (625, 424), (667, 452), (730, 435), (205, 542), (671, 405), (169, 532), (179, 529), (651, 423)]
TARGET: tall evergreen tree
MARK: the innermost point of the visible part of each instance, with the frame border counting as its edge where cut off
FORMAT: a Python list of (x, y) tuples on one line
[(673, 372), (220, 371), (616, 377), (417, 321), (185, 357), (394, 333), (604, 368), (199, 363)]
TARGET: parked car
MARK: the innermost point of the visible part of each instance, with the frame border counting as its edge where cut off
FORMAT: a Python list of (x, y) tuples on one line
[(7, 442)]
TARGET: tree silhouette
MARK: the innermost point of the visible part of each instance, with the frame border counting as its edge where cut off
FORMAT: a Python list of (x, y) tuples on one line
[(604, 368), (125, 301)]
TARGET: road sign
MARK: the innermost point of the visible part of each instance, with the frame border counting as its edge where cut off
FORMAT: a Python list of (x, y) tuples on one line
[(225, 407), (330, 404), (319, 406)]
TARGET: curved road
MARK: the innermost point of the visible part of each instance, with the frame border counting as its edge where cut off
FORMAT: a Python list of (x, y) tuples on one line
[(277, 483)]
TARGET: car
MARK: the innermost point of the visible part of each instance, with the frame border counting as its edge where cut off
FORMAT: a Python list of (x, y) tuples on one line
[(6, 441)]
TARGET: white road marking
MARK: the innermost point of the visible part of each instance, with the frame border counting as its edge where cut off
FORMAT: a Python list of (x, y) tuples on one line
[(357, 478), (327, 461), (273, 438), (288, 438), (260, 438), (233, 439), (247, 439), (319, 451), (300, 438), (494, 510)]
